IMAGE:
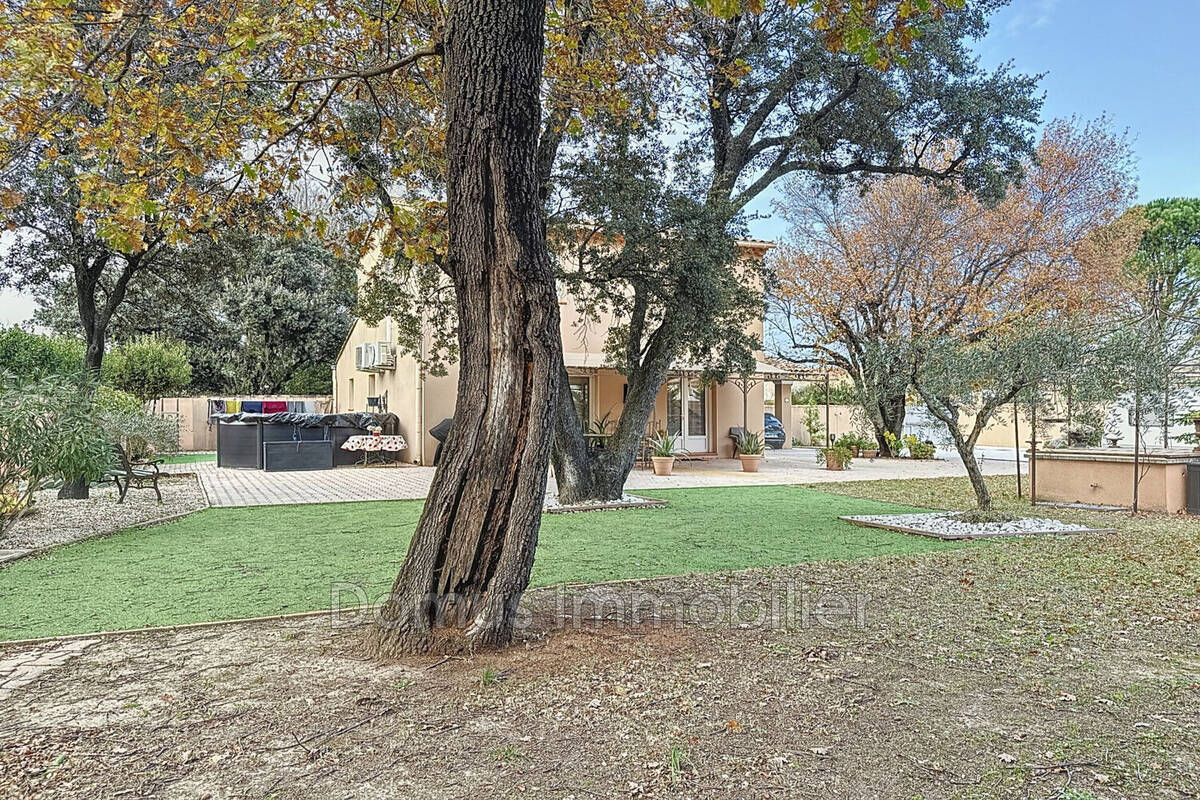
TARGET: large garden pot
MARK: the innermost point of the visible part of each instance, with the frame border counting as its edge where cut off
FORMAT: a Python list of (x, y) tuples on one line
[(870, 454), (662, 466), (749, 463), (833, 460)]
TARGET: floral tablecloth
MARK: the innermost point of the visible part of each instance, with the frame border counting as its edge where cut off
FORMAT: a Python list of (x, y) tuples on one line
[(375, 444)]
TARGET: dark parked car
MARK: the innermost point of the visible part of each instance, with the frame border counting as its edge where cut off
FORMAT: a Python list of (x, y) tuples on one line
[(773, 433)]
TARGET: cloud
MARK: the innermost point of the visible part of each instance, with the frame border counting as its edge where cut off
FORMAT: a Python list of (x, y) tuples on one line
[(1038, 14)]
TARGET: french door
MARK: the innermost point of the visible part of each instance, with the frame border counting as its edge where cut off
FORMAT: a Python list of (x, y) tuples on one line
[(687, 413)]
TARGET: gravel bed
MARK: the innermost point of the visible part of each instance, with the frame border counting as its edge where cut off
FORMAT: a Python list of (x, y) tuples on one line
[(53, 521), (552, 505), (944, 525)]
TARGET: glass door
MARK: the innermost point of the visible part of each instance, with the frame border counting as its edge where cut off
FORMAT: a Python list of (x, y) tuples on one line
[(697, 417), (687, 414), (675, 410), (581, 397)]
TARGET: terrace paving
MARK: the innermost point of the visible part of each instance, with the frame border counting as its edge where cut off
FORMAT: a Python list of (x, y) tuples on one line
[(236, 487)]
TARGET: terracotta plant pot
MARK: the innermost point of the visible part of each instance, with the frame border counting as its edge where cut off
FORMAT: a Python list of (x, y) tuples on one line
[(662, 466), (870, 453), (833, 461), (749, 463)]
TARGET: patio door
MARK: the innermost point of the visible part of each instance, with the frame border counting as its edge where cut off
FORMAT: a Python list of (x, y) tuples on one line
[(687, 413), (581, 397)]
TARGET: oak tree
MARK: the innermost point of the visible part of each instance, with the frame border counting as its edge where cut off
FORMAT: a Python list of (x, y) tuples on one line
[(904, 260), (763, 96)]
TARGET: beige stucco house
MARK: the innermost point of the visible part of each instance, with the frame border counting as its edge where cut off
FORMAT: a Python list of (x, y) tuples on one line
[(371, 374)]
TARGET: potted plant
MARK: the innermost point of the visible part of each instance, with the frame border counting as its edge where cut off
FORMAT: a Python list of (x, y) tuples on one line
[(858, 445), (662, 453), (750, 451), (867, 447), (837, 457)]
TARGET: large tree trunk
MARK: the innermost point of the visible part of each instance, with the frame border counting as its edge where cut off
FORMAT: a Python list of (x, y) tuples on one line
[(890, 419), (584, 474), (470, 559)]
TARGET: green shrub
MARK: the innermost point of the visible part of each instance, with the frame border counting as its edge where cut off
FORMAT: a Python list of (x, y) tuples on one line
[(141, 434), (30, 356), (843, 454), (917, 448), (853, 441), (148, 368), (114, 400), (813, 394), (48, 432), (812, 424)]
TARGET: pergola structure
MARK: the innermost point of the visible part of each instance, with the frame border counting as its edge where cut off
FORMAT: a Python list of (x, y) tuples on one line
[(789, 375)]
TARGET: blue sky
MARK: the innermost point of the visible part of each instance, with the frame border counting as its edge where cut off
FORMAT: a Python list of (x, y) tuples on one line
[(1133, 61)]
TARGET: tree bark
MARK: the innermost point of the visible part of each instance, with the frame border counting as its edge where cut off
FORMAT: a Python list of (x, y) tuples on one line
[(888, 419), (983, 497), (469, 561), (947, 412), (584, 474)]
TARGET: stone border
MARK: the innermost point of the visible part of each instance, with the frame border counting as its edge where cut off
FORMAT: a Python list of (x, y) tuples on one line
[(22, 669), (645, 502), (12, 554), (183, 626), (68, 637), (945, 537)]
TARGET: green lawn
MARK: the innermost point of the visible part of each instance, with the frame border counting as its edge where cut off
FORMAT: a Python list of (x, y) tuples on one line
[(187, 458), (247, 562)]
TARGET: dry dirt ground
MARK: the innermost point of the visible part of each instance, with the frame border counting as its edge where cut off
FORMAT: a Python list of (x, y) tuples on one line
[(1050, 668)]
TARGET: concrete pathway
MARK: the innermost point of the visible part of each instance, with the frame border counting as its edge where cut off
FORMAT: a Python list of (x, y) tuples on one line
[(236, 487), (18, 670)]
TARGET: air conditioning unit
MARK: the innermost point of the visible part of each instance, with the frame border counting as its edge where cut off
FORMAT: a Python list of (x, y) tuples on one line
[(385, 355), (366, 357)]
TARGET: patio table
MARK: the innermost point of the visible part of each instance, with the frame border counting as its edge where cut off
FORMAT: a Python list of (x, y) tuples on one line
[(374, 444)]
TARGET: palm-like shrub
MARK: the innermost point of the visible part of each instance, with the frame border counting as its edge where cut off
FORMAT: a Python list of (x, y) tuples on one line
[(750, 443), (664, 445)]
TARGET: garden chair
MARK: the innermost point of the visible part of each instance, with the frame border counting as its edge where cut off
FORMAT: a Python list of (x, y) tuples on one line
[(134, 473), (736, 434)]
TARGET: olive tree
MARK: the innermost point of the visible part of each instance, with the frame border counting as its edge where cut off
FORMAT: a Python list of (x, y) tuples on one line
[(966, 382)]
